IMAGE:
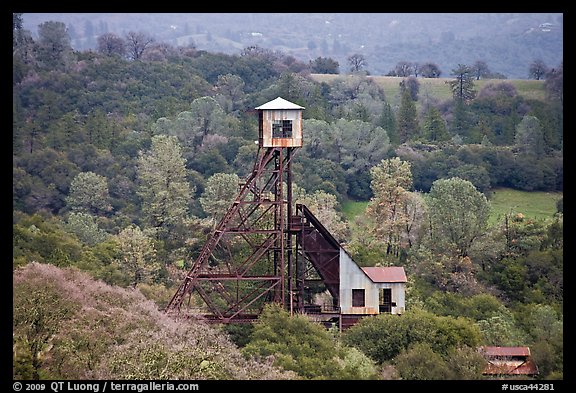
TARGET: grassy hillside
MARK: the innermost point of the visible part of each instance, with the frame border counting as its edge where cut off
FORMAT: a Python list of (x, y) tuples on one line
[(533, 204), (438, 88), (69, 326)]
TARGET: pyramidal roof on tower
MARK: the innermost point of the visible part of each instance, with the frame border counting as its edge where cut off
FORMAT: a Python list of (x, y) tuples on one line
[(279, 103)]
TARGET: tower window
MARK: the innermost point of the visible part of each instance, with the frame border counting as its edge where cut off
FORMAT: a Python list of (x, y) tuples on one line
[(282, 129)]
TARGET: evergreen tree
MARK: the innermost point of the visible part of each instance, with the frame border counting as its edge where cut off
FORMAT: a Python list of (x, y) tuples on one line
[(388, 123), (89, 194), (434, 127), (54, 47), (164, 190), (461, 123), (463, 86), (407, 118)]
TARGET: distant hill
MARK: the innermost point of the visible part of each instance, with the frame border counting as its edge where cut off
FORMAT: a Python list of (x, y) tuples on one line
[(507, 42)]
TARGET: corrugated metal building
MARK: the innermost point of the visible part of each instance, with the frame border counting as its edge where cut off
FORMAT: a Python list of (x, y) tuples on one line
[(504, 361), (370, 290)]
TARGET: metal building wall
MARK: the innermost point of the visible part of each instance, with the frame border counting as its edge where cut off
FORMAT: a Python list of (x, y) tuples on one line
[(352, 277)]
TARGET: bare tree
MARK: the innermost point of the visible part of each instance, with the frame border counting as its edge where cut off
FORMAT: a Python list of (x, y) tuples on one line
[(480, 69), (538, 69), (403, 69), (357, 62), (110, 44), (137, 43), (416, 68)]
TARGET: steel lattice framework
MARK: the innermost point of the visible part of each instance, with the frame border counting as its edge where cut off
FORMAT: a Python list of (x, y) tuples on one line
[(247, 258)]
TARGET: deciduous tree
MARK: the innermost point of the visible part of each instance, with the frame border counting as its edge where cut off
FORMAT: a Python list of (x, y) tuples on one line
[(357, 62), (390, 207), (458, 214), (529, 137), (480, 69), (137, 254), (537, 69), (136, 44), (430, 70), (110, 44), (219, 193)]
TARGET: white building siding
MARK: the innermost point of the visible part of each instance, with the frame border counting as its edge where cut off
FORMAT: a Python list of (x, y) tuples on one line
[(352, 277), (398, 289)]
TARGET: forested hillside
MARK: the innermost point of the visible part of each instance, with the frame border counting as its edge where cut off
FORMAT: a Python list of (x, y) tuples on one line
[(124, 157)]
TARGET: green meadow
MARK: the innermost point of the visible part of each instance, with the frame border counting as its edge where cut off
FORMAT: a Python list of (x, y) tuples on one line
[(438, 88), (532, 204)]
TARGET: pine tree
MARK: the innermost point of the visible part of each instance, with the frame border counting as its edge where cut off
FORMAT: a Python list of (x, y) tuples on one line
[(434, 127), (407, 120), (463, 86), (164, 189)]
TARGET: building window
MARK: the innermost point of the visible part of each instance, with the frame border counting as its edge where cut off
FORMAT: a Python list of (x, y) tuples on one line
[(282, 129), (358, 298)]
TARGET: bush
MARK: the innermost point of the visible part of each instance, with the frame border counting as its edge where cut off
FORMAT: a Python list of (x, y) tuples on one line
[(385, 336)]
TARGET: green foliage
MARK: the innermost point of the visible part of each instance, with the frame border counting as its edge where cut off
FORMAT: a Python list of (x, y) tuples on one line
[(396, 213), (42, 238), (475, 307), (80, 120), (239, 333), (163, 185), (89, 194), (324, 207), (501, 329), (84, 226), (463, 86), (137, 254), (529, 137), (220, 190), (305, 347), (434, 128), (407, 121), (385, 336), (458, 213), (420, 362)]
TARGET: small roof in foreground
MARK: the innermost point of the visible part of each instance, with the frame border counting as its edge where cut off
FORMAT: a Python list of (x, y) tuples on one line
[(386, 274), (279, 103), (506, 351)]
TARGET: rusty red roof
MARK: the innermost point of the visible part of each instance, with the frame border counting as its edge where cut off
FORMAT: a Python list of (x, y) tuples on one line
[(506, 351), (509, 361), (386, 274)]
